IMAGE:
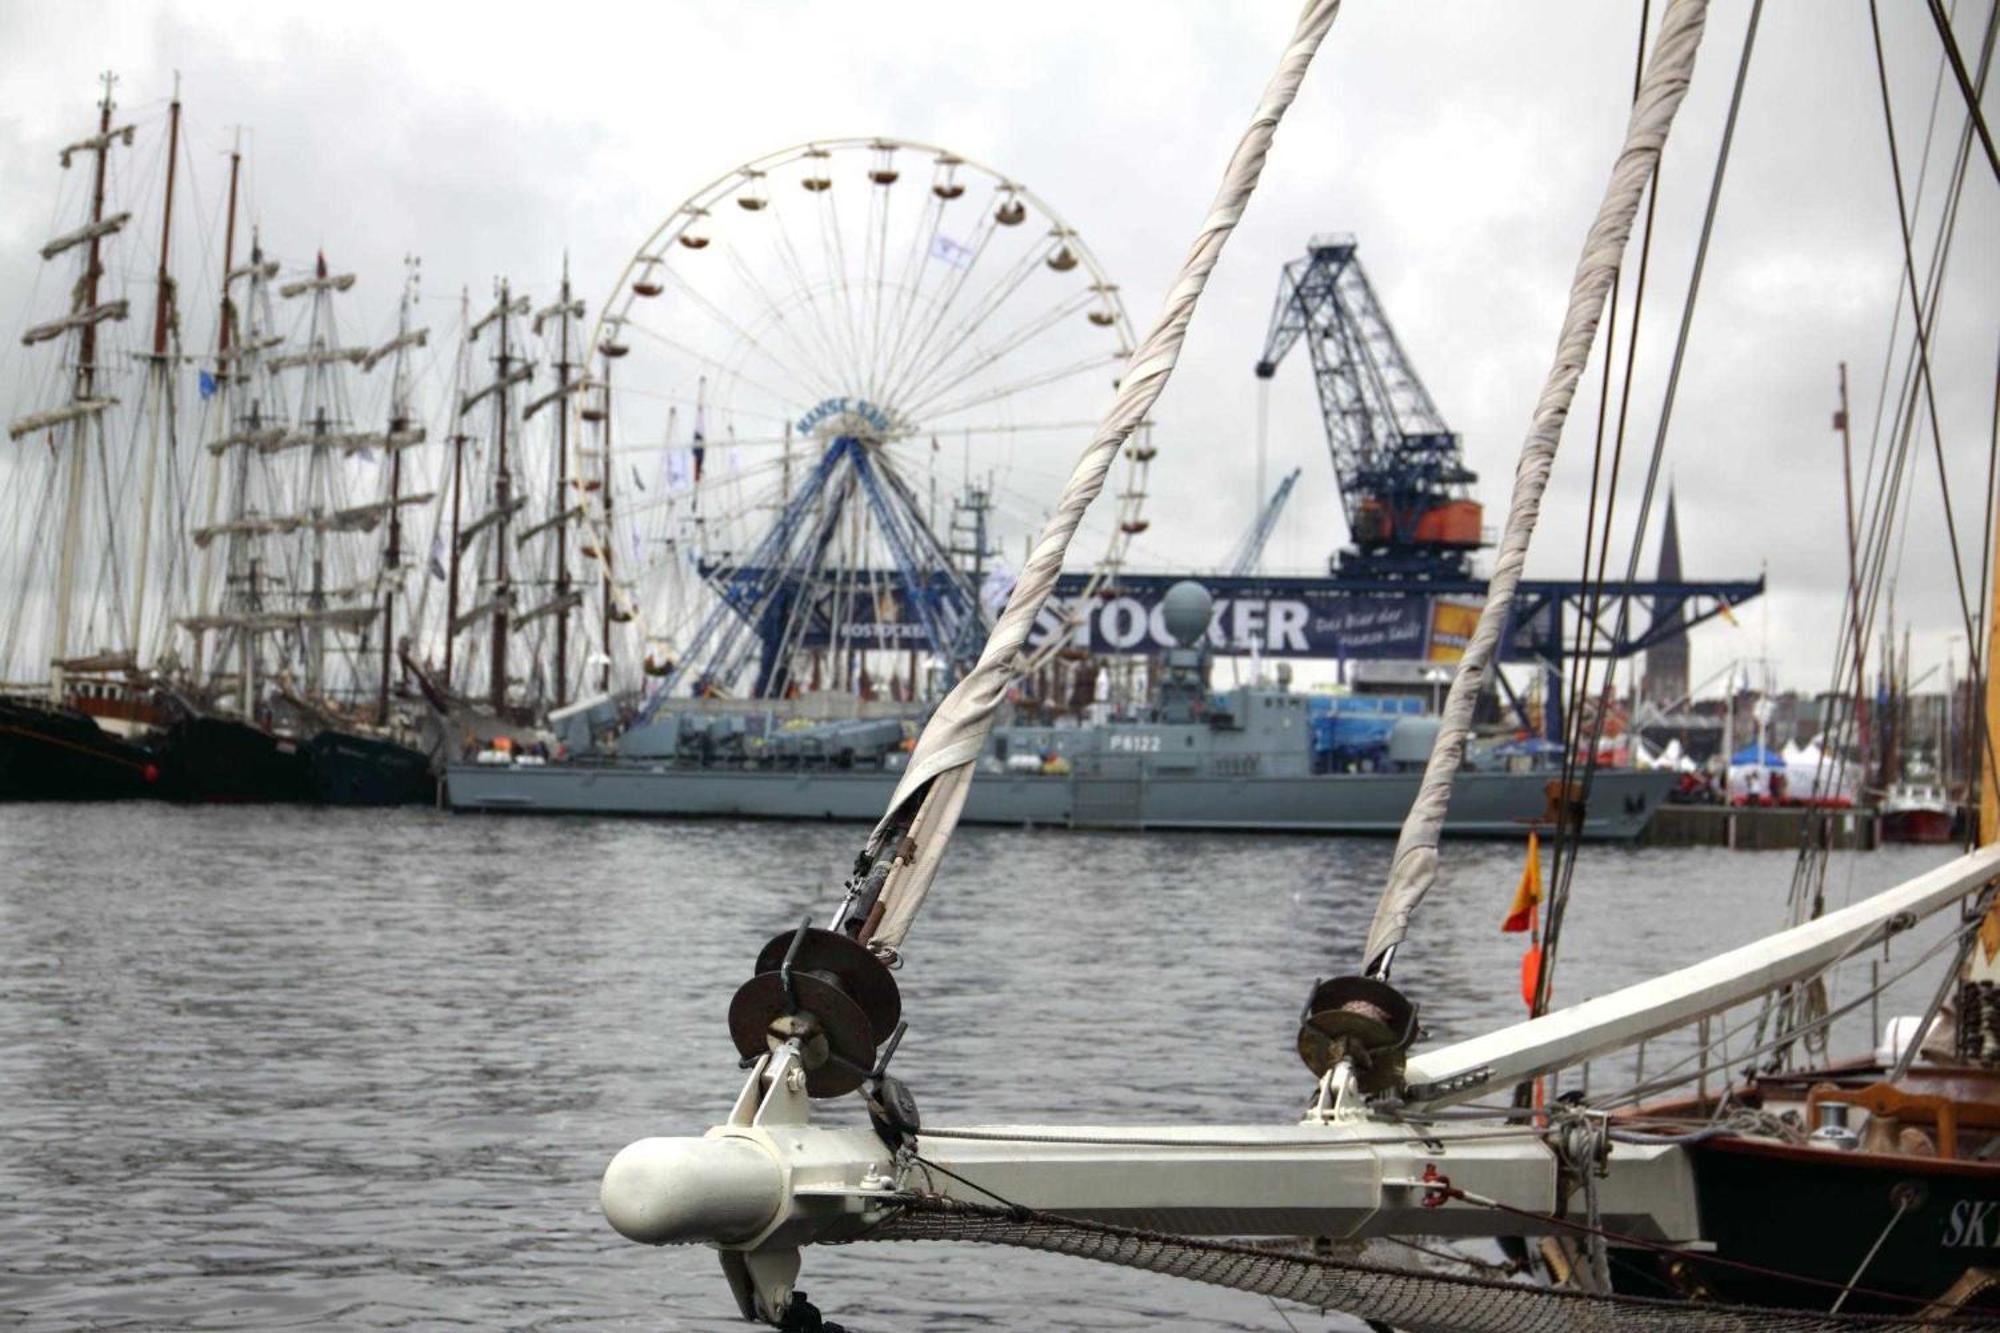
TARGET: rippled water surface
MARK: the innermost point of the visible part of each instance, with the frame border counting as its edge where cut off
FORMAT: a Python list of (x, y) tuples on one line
[(284, 1068)]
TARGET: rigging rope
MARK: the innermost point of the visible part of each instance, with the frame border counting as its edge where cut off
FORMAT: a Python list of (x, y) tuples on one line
[(1414, 869), (928, 800), (1965, 88), (1405, 1298), (1566, 865), (1579, 682)]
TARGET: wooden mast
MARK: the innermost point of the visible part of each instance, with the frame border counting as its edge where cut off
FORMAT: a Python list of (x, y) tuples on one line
[(610, 538), (225, 320), (160, 387), (84, 382), (1984, 765), (562, 496), (457, 498), (503, 496), (399, 422)]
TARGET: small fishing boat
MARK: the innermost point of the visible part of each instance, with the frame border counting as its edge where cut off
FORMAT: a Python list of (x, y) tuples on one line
[(1917, 812)]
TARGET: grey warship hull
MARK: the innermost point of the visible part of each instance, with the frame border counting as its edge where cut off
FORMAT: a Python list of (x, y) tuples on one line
[(1093, 795)]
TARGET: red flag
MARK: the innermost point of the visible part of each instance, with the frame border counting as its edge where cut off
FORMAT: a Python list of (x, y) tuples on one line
[(1521, 915)]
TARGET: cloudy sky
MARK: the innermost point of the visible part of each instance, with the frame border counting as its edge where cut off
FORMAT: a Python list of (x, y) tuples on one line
[(1464, 144)]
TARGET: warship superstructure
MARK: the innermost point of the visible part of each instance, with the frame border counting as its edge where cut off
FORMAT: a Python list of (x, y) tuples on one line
[(1252, 758)]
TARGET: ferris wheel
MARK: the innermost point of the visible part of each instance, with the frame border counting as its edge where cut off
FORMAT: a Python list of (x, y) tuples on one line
[(832, 393)]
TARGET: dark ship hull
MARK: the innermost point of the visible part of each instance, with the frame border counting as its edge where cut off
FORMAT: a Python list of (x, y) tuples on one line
[(224, 760), (1919, 825), (50, 753), (346, 769)]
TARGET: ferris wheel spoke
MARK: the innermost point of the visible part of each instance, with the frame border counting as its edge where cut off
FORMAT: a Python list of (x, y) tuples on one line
[(878, 296), (909, 283), (833, 249), (939, 308), (679, 400), (748, 341), (929, 390), (1040, 380), (824, 323), (776, 316), (939, 351), (675, 345)]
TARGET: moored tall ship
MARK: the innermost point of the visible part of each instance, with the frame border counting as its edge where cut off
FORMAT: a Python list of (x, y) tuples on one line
[(80, 715), (281, 704)]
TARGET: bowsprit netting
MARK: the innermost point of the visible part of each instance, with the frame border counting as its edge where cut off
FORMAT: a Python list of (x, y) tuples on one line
[(1405, 1298)]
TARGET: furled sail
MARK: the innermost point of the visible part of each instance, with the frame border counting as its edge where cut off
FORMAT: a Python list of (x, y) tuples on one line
[(571, 515), (484, 611), (490, 518), (251, 347), (323, 282), (353, 441), (265, 438), (517, 306), (262, 269), (555, 606), (518, 375), (56, 328), (319, 356), (414, 338), (556, 311), (97, 143), (58, 416), (551, 396), (83, 235)]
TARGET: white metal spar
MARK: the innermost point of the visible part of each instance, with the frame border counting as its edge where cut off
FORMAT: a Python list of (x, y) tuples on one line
[(1661, 92), (941, 766)]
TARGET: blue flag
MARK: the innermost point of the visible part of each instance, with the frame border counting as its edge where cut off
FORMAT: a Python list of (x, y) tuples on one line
[(206, 383)]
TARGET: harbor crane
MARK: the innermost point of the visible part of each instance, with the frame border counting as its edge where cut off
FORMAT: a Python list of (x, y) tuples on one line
[(1403, 481), (1250, 551)]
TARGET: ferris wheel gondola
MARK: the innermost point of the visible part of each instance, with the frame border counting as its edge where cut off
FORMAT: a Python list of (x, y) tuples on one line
[(778, 375)]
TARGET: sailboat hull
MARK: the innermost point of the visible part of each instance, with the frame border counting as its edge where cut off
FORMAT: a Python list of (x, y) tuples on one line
[(61, 754), (347, 769), (223, 760), (1814, 1214), (1921, 825)]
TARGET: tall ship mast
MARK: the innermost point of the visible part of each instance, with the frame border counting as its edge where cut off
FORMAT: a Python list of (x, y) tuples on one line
[(558, 594), (487, 518), (293, 701), (77, 708)]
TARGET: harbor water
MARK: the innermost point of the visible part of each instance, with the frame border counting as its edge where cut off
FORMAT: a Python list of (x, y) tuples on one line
[(290, 1068)]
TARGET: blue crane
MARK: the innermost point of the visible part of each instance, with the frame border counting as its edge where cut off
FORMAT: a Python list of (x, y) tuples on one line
[(1250, 550), (1403, 480)]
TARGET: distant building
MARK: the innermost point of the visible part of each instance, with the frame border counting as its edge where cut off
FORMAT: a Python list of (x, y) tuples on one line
[(1666, 679)]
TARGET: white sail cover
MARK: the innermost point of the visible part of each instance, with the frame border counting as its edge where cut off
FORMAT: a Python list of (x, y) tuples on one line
[(1665, 84), (941, 766)]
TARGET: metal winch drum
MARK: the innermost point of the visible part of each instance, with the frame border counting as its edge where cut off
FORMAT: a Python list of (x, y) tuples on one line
[(826, 991)]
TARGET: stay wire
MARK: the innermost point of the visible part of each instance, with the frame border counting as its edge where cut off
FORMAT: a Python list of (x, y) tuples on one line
[(1559, 899), (1844, 726), (1972, 108), (1579, 674), (1923, 346)]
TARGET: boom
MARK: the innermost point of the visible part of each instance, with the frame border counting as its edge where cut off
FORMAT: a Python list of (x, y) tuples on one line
[(1250, 552)]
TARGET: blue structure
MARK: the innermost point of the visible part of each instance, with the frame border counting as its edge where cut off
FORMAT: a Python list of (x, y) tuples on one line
[(780, 599), (1403, 480)]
